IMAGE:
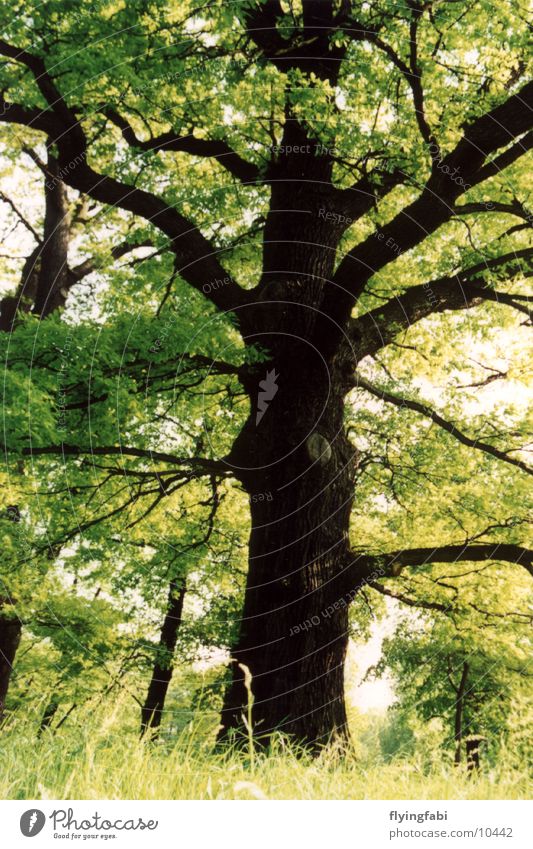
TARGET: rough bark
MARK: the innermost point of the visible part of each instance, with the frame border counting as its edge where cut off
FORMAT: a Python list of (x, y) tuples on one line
[(473, 746), (152, 710), (42, 289), (52, 287), (45, 278), (294, 460)]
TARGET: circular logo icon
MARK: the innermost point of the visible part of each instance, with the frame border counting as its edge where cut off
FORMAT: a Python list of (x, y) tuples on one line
[(32, 822)]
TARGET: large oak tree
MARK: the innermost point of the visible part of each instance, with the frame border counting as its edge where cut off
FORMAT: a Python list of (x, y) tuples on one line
[(327, 177)]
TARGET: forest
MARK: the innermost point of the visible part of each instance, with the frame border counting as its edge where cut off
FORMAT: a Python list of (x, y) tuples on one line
[(266, 399)]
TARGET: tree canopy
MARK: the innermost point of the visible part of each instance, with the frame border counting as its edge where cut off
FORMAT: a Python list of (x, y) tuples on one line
[(265, 316)]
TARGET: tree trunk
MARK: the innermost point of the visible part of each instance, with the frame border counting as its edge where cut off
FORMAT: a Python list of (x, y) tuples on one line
[(52, 284), (10, 633), (473, 746), (459, 708), (154, 704), (44, 281), (298, 468), (48, 716)]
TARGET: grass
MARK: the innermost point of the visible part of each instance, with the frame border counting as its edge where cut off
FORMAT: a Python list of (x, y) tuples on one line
[(102, 762)]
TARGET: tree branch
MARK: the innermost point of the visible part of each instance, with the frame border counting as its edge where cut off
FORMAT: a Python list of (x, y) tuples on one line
[(361, 197), (497, 165), (515, 208), (78, 272), (365, 568), (198, 263), (203, 465), (451, 176), (410, 72), (309, 48), (5, 199), (449, 427), (412, 602)]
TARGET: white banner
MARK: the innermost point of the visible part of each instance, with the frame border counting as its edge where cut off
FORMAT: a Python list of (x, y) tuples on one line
[(265, 825)]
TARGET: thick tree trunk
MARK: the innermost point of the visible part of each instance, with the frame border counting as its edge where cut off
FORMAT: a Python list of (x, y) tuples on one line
[(298, 468), (154, 704), (10, 633), (459, 708), (295, 462)]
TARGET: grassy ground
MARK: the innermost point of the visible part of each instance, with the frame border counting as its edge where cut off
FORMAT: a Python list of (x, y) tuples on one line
[(103, 764)]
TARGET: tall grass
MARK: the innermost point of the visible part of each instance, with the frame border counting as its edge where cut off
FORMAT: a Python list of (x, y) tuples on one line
[(101, 761)]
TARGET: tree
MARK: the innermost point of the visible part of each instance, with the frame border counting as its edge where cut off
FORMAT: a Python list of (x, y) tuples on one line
[(355, 232), (45, 281)]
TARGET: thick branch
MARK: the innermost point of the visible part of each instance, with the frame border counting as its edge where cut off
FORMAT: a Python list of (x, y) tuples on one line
[(362, 196), (378, 327), (497, 165), (202, 465), (364, 568), (196, 256), (452, 176), (309, 48)]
